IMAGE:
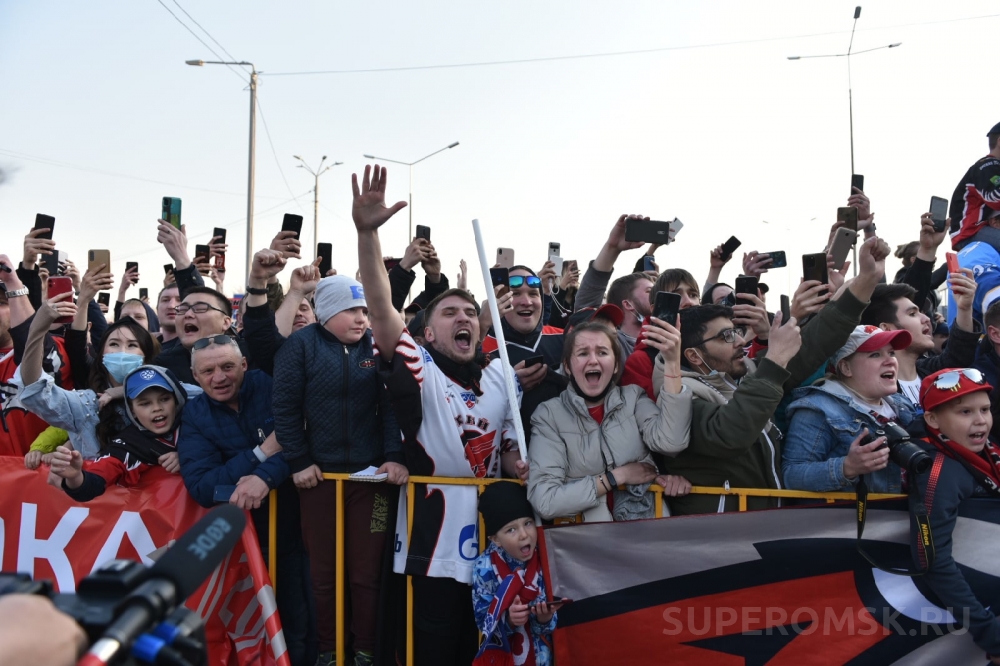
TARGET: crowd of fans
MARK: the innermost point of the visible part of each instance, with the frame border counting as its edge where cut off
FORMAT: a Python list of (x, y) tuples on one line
[(345, 375)]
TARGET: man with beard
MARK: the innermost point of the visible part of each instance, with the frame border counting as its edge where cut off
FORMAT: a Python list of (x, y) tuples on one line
[(451, 404)]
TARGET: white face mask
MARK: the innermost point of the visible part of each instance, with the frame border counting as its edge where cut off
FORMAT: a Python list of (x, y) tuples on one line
[(713, 373)]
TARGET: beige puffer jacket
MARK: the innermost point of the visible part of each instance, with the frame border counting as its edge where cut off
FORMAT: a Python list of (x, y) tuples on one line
[(569, 449)]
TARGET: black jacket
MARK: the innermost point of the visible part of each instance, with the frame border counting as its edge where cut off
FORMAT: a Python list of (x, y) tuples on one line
[(330, 406), (400, 281), (959, 351)]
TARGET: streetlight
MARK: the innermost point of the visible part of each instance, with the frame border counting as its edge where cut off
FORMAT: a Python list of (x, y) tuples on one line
[(253, 131), (850, 102), (410, 165), (850, 98), (316, 174)]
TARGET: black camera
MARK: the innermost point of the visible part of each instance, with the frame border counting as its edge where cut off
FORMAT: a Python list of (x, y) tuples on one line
[(902, 451)]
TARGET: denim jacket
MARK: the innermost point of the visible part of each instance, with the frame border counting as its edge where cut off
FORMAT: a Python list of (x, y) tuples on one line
[(822, 424)]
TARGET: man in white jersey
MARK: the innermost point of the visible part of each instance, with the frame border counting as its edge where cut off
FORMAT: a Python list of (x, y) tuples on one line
[(452, 406)]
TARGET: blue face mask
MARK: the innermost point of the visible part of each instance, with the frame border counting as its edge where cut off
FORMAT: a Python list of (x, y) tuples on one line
[(119, 364)]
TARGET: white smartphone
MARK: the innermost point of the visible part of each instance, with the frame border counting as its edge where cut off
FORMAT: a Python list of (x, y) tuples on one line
[(843, 241), (675, 226), (505, 257)]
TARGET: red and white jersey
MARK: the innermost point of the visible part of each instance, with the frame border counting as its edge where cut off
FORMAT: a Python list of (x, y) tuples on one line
[(448, 431)]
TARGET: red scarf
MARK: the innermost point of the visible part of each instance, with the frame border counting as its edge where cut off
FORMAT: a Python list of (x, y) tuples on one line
[(984, 466), (517, 648)]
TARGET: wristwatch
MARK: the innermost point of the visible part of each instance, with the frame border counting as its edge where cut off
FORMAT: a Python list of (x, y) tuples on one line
[(23, 291), (253, 291), (611, 480)]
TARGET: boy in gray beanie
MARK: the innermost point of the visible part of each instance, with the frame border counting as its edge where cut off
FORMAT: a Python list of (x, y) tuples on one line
[(325, 376)]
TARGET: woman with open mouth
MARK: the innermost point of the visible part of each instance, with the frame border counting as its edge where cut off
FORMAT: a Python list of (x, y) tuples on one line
[(591, 447)]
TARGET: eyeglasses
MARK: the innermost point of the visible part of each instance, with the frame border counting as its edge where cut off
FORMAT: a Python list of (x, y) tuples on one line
[(198, 308), (518, 281), (221, 339), (950, 380), (728, 335)]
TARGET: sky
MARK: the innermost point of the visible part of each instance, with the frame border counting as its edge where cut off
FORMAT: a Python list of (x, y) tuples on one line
[(100, 118)]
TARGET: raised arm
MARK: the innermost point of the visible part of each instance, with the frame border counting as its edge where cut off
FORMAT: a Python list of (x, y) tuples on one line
[(370, 212), (34, 351)]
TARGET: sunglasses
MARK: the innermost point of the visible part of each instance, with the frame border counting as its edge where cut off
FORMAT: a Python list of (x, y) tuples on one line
[(221, 339), (728, 335), (518, 281), (950, 380), (198, 308)]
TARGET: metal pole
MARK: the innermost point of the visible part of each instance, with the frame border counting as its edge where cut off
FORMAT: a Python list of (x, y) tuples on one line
[(253, 132), (410, 206), (316, 216)]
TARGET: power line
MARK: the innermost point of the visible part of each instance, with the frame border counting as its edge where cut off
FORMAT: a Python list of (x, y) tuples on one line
[(195, 35), (267, 132), (66, 165), (200, 27), (608, 54)]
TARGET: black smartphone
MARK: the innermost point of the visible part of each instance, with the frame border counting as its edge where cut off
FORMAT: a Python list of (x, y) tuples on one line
[(220, 233), (666, 306), (201, 251), (129, 265), (500, 276), (746, 284), (424, 232), (220, 259), (939, 213), (292, 223), (325, 251), (858, 181), (778, 259), (104, 298), (786, 309), (532, 361), (143, 292), (849, 216), (170, 211), (43, 221), (648, 263), (729, 247), (814, 267), (51, 263), (167, 269), (647, 231)]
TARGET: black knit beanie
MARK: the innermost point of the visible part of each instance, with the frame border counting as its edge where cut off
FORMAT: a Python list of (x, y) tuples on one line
[(502, 503)]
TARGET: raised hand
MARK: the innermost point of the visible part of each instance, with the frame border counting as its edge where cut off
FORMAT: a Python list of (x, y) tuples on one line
[(784, 342), (305, 278), (463, 275), (416, 252), (174, 241), (369, 210), (617, 237), (287, 243), (100, 280), (267, 264), (809, 299), (871, 257), (755, 264), (34, 246), (753, 315), (666, 339), (859, 200), (60, 306)]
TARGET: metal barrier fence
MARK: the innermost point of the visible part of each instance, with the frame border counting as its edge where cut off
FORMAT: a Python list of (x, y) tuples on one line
[(742, 493)]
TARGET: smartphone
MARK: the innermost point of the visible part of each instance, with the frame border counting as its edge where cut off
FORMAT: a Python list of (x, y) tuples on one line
[(325, 251), (666, 306), (555, 601), (129, 265), (171, 211), (647, 231), (786, 310), (858, 181), (292, 223), (220, 259), (557, 265), (778, 259), (424, 232), (501, 276), (532, 361), (814, 267), (223, 493), (60, 285), (390, 264), (746, 284), (143, 292), (729, 247), (843, 240), (505, 257), (675, 226), (939, 213), (849, 216), (104, 298), (167, 269), (647, 263), (952, 259), (51, 263), (97, 257), (555, 250), (202, 251), (43, 221)]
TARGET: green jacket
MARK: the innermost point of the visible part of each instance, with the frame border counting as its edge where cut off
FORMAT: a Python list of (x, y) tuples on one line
[(732, 438)]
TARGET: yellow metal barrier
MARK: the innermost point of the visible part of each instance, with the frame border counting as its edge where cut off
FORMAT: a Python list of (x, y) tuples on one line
[(742, 493)]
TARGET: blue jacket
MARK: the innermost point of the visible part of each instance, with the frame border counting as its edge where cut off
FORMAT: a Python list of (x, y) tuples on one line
[(821, 426), (330, 405), (216, 444)]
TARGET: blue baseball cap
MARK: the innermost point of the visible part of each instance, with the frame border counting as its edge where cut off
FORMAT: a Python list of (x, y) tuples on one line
[(145, 378)]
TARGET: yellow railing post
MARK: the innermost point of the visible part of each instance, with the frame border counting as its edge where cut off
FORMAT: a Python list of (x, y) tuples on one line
[(341, 578), (411, 495)]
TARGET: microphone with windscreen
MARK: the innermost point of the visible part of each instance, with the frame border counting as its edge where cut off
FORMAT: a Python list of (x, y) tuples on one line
[(172, 579)]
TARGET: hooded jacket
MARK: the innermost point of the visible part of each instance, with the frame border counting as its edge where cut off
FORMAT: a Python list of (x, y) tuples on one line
[(133, 450)]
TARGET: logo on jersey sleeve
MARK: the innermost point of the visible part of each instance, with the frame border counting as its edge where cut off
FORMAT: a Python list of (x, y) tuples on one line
[(479, 451)]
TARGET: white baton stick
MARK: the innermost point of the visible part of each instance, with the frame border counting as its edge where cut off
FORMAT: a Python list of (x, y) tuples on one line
[(508, 371)]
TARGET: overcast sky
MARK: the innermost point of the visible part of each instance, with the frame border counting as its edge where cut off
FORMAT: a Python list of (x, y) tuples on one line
[(717, 128)]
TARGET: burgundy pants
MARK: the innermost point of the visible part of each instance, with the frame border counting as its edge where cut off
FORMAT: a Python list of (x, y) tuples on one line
[(366, 509)]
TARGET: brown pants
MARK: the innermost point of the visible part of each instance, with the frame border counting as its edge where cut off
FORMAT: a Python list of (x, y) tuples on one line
[(366, 509)]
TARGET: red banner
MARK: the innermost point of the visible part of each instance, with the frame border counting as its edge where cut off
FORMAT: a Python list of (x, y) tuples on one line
[(48, 535)]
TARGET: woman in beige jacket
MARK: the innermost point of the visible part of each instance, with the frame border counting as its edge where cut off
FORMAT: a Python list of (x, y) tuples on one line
[(590, 447)]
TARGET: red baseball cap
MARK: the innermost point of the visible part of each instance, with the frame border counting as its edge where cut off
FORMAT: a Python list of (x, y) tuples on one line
[(948, 384), (870, 338)]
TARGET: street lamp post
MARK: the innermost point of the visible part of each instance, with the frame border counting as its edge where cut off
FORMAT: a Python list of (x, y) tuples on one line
[(316, 174), (850, 97), (409, 165), (253, 143)]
